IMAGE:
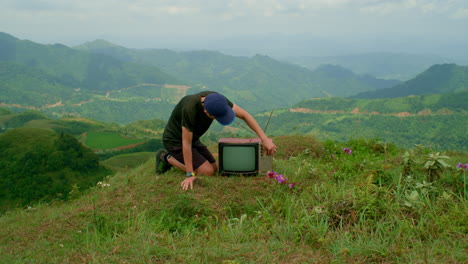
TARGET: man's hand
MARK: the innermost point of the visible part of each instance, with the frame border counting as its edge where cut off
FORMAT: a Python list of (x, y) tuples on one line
[(188, 182), (269, 146)]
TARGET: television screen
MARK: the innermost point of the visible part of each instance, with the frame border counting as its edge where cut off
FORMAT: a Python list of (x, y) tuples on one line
[(240, 158)]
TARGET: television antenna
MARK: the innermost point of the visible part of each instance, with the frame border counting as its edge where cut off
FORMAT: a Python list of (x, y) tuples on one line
[(266, 125)]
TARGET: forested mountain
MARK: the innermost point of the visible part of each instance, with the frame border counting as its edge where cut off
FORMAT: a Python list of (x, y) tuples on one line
[(439, 120), (34, 74), (129, 85), (256, 82), (110, 83), (447, 103), (438, 79)]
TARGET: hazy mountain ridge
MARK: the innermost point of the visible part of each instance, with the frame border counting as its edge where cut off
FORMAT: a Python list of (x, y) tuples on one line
[(386, 65), (91, 84), (257, 80), (441, 78), (73, 69)]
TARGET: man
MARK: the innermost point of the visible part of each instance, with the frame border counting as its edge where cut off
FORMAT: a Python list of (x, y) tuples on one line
[(189, 120)]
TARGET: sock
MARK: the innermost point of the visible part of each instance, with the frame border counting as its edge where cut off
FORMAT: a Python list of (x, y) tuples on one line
[(167, 157)]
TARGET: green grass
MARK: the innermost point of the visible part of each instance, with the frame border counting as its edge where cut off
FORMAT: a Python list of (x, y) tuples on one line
[(373, 206), (126, 161), (108, 140)]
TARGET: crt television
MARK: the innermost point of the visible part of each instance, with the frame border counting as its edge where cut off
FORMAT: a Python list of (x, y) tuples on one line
[(243, 157)]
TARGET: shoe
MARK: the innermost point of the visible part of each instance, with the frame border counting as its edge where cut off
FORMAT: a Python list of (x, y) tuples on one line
[(161, 164)]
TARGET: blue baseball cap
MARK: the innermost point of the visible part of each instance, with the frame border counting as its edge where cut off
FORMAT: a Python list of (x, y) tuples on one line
[(217, 106)]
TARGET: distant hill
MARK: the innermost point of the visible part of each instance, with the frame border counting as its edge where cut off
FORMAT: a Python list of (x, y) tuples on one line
[(36, 74), (256, 83), (438, 120), (107, 82), (384, 65), (438, 79), (338, 78)]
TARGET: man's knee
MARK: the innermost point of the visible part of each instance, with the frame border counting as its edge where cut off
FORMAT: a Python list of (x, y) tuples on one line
[(206, 169)]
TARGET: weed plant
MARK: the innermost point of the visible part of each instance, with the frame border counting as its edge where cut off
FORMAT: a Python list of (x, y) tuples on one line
[(361, 201)]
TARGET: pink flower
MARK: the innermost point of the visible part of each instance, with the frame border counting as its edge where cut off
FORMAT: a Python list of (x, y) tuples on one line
[(280, 178), (462, 166), (292, 185), (347, 151), (271, 174)]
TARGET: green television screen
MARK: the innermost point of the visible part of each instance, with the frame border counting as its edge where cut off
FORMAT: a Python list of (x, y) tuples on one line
[(238, 158)]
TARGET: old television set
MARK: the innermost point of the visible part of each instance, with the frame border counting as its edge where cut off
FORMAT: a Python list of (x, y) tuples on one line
[(243, 157)]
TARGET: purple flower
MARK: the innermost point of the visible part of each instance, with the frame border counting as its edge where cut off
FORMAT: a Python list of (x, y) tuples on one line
[(292, 185), (347, 151), (462, 166), (280, 178)]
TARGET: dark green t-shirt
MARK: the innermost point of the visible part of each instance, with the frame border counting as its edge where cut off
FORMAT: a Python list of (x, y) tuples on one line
[(189, 113)]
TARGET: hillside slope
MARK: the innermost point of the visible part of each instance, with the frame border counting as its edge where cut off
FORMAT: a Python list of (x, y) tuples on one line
[(41, 165), (439, 120), (366, 206)]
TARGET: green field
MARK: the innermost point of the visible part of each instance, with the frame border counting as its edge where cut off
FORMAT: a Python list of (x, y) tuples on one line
[(107, 140), (131, 160)]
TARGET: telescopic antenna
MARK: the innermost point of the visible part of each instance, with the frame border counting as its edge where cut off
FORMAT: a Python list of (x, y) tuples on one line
[(268, 122), (266, 125), (248, 129)]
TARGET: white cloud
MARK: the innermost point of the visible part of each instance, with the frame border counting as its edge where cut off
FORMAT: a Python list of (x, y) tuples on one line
[(149, 21), (460, 14)]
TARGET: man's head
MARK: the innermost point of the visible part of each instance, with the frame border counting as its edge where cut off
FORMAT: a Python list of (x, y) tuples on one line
[(217, 106)]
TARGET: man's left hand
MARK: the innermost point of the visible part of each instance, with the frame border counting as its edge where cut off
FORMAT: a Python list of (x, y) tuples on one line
[(188, 182)]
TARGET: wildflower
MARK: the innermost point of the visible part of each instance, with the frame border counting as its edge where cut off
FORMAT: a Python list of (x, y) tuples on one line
[(347, 151), (102, 185), (271, 174), (280, 178), (333, 171), (462, 166), (291, 185)]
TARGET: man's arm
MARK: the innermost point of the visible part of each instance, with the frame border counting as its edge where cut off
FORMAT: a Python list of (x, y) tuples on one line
[(187, 136), (268, 144)]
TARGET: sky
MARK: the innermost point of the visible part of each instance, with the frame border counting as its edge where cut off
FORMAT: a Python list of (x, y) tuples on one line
[(281, 27)]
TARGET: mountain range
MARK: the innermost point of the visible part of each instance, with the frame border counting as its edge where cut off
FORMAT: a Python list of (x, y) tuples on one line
[(440, 78), (385, 65), (115, 84)]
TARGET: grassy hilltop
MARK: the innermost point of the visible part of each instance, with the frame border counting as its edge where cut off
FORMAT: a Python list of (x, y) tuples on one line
[(360, 201)]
